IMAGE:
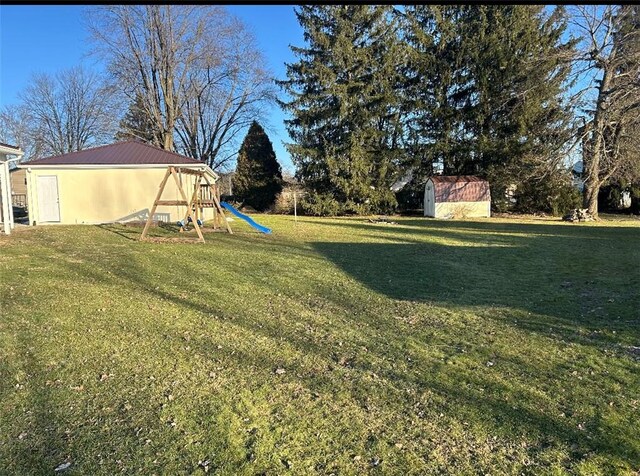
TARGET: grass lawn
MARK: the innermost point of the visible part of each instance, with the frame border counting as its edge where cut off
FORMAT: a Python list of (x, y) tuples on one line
[(331, 346)]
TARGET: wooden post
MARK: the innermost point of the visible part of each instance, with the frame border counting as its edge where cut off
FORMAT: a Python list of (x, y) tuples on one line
[(155, 203), (216, 214), (216, 202), (194, 201), (189, 211), (295, 207), (195, 205)]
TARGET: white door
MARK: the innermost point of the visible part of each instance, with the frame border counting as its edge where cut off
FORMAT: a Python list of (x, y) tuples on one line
[(48, 200), (429, 200)]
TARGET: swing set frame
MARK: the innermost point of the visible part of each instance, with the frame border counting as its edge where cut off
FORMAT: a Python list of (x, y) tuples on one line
[(205, 195)]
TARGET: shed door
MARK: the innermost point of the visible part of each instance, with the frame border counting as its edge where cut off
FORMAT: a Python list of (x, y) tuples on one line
[(429, 202), (48, 200)]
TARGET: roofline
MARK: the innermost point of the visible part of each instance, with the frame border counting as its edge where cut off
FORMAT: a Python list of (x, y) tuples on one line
[(136, 141), (27, 165), (7, 149), (200, 166)]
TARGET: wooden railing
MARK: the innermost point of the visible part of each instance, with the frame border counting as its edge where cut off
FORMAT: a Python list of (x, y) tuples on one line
[(19, 200)]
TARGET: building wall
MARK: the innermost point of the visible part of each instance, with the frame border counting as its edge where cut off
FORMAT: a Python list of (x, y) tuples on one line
[(18, 181), (19, 187), (463, 209), (93, 196)]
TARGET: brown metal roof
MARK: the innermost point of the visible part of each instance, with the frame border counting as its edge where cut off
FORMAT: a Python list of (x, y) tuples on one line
[(9, 146), (455, 178), (121, 153), (463, 188)]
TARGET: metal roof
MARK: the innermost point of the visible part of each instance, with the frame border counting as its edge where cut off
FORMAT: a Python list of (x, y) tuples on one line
[(463, 188), (131, 152), (456, 178)]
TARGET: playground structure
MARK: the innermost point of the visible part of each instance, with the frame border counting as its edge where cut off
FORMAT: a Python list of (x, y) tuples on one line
[(205, 195), (246, 218)]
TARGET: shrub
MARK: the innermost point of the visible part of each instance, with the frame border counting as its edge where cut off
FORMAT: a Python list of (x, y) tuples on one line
[(550, 196), (635, 198), (317, 204)]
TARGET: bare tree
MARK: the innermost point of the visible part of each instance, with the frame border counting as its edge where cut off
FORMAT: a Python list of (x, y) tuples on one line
[(16, 129), (176, 58), (610, 54), (67, 112), (222, 99)]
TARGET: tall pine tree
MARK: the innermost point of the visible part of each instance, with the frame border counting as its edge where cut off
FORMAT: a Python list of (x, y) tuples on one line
[(258, 177), (346, 125), (485, 85), (136, 124)]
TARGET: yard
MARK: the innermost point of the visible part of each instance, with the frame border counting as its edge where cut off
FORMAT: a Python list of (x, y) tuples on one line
[(337, 346)]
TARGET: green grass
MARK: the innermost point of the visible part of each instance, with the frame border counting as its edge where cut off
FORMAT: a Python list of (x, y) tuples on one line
[(427, 347)]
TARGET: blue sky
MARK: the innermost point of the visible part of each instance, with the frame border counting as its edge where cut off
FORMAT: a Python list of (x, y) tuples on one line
[(48, 38)]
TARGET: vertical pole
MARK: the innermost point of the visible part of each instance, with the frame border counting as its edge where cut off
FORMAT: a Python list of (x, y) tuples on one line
[(295, 207), (217, 220), (31, 202), (12, 222), (155, 202), (6, 198)]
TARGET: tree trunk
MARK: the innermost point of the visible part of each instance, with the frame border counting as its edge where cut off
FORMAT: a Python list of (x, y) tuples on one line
[(591, 166), (168, 141), (590, 197)]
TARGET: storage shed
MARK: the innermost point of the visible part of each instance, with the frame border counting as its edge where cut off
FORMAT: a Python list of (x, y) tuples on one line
[(107, 184), (457, 197)]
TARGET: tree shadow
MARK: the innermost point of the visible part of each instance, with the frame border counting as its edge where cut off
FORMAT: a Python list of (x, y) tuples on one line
[(562, 277), (482, 229), (468, 276), (519, 273), (38, 444)]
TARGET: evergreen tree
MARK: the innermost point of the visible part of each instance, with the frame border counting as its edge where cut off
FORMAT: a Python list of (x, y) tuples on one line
[(485, 87), (258, 177), (136, 124), (346, 126)]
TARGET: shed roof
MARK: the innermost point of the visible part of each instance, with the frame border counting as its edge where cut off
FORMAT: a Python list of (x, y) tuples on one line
[(460, 188), (456, 178), (130, 152)]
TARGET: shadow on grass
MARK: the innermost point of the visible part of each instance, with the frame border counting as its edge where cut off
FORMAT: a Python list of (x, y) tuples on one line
[(481, 229), (164, 230), (133, 231), (557, 270), (40, 444), (541, 274)]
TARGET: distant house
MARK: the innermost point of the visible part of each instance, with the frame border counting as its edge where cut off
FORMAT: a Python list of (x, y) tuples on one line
[(111, 183), (225, 183), (18, 187), (290, 196), (457, 197), (577, 175)]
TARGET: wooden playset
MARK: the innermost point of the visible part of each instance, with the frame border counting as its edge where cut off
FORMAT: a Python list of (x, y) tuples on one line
[(205, 195)]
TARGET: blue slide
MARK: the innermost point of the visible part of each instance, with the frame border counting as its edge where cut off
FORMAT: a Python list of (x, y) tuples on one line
[(246, 218)]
